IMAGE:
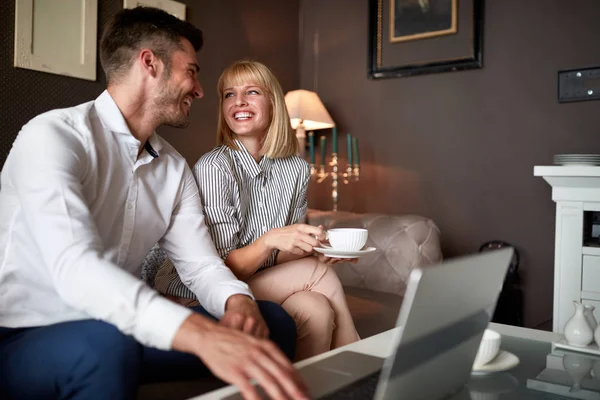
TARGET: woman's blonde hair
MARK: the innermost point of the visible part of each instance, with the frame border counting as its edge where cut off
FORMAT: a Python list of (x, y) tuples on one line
[(280, 140)]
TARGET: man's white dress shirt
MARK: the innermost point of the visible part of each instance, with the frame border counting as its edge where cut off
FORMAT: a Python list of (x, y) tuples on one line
[(79, 211)]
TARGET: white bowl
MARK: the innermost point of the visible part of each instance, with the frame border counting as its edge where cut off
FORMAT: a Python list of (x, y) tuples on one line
[(348, 239), (488, 348)]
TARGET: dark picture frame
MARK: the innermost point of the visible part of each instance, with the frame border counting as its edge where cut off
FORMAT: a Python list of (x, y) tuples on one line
[(440, 36)]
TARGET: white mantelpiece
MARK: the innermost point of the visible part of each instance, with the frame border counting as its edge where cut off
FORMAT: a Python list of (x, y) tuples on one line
[(575, 189)]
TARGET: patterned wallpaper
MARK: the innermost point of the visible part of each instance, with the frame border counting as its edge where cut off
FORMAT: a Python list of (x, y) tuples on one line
[(25, 93)]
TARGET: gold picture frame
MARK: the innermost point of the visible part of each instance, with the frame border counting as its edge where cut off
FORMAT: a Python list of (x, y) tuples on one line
[(422, 19)]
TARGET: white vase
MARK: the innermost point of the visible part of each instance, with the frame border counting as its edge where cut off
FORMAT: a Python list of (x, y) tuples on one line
[(577, 329), (588, 311), (597, 338), (596, 370), (578, 367)]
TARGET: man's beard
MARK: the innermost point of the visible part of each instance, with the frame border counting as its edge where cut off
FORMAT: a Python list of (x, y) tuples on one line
[(168, 107), (179, 121)]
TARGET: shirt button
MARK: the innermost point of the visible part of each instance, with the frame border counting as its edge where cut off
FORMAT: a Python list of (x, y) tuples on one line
[(260, 204), (129, 206), (264, 228)]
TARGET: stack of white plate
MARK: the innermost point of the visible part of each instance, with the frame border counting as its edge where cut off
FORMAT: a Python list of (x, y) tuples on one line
[(577, 159)]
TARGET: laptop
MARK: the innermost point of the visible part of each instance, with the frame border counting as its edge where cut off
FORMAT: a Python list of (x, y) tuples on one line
[(445, 310)]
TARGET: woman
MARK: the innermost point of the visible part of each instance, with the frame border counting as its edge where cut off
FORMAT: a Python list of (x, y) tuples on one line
[(253, 189)]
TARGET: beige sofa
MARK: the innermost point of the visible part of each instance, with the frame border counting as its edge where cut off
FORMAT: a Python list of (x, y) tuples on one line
[(374, 286)]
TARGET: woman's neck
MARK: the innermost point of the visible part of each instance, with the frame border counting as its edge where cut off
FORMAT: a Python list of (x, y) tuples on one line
[(253, 146)]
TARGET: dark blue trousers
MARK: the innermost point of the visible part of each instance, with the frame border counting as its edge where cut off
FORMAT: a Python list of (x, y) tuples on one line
[(91, 359)]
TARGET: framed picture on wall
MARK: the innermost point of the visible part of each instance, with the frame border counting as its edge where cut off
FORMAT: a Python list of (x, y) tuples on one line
[(414, 37), (172, 7), (57, 36)]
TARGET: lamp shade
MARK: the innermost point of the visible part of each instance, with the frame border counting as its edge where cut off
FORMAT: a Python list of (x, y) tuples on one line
[(305, 106)]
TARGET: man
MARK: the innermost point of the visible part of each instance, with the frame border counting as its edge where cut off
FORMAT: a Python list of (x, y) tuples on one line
[(86, 192)]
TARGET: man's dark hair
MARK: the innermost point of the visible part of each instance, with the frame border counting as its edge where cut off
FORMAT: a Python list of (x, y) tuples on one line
[(133, 29)]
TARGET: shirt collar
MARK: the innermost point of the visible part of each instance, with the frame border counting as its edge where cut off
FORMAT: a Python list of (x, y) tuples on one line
[(113, 120), (154, 143), (150, 149), (249, 163)]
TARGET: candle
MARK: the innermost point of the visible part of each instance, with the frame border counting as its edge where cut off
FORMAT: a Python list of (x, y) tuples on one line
[(349, 146), (311, 143), (323, 150), (355, 149), (334, 139)]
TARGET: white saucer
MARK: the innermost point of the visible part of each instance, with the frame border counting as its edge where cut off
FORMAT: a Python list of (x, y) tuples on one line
[(502, 362), (329, 252)]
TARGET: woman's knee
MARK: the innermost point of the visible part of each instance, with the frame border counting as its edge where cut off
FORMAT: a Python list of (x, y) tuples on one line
[(312, 308)]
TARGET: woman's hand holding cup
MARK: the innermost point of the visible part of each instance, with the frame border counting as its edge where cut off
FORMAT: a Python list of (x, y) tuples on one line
[(297, 239)]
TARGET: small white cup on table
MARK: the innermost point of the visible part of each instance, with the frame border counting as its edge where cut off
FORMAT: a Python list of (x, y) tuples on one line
[(488, 349)]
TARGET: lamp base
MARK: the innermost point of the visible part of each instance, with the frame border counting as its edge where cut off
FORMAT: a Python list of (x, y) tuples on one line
[(301, 137)]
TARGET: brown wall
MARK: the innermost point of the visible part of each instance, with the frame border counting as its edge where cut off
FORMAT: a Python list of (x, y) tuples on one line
[(266, 30), (460, 147), (457, 147)]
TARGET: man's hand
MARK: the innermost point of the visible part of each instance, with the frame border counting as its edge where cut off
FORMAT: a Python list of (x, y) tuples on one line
[(242, 314), (237, 358)]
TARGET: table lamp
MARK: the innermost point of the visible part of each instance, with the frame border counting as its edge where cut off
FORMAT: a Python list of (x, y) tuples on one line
[(307, 113)]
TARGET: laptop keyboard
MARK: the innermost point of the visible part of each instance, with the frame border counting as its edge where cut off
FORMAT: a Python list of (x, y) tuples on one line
[(363, 389)]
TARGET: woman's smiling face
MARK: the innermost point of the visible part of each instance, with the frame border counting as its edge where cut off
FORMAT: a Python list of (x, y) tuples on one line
[(247, 109)]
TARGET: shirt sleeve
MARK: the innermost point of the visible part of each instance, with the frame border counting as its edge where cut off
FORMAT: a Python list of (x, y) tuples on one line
[(217, 197), (299, 206), (48, 165), (189, 246)]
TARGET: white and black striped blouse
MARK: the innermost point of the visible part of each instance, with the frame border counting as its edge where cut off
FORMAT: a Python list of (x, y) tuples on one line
[(243, 199)]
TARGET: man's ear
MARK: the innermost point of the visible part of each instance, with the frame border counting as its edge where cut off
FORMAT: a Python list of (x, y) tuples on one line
[(149, 61)]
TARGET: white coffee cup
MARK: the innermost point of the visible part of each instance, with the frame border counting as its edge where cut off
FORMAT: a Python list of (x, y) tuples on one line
[(488, 348), (347, 239)]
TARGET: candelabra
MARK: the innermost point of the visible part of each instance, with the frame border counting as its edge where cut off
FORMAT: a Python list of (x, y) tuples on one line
[(352, 174)]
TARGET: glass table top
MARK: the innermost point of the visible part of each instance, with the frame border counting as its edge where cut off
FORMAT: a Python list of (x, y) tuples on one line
[(542, 373)]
